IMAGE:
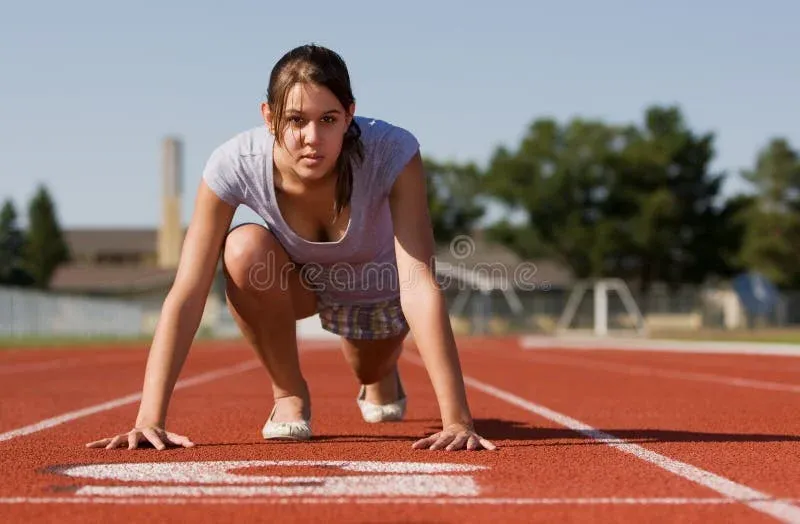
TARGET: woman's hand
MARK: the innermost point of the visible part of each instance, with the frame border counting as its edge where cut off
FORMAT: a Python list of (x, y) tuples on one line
[(455, 437), (158, 437)]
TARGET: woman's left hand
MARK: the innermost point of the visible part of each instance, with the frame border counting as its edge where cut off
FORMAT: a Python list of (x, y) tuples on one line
[(455, 437)]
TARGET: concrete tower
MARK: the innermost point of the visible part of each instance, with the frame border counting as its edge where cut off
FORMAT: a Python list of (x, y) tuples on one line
[(170, 231)]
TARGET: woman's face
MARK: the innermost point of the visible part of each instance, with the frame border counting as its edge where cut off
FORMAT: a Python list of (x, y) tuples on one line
[(315, 127)]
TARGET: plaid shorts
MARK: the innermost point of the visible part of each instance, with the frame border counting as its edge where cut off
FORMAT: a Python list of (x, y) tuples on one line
[(373, 321)]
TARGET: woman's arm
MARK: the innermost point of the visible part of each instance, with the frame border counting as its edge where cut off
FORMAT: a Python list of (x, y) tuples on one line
[(179, 320), (184, 304), (425, 309)]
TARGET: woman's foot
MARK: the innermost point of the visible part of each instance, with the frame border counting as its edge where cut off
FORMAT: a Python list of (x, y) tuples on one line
[(383, 401), (290, 419), (291, 409), (386, 391)]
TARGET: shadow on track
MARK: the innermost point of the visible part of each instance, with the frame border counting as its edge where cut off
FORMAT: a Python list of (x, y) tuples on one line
[(500, 429)]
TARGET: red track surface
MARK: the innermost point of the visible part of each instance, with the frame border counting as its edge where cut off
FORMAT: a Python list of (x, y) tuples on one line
[(733, 416)]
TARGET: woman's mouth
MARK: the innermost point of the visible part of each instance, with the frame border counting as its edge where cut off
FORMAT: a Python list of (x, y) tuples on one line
[(312, 159)]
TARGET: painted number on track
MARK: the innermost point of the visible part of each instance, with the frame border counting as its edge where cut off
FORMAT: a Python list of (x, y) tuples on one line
[(231, 479)]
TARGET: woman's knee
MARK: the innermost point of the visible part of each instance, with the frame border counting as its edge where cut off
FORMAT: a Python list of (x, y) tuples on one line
[(254, 260)]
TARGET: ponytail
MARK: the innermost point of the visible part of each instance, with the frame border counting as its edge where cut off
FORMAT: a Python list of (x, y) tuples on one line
[(352, 152)]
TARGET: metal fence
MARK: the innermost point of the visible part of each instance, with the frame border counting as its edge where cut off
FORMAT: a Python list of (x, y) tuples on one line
[(25, 312)]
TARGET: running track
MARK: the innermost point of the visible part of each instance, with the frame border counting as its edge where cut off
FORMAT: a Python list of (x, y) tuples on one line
[(585, 435)]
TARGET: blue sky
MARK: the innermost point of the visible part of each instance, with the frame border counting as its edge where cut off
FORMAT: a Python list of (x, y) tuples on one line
[(89, 89)]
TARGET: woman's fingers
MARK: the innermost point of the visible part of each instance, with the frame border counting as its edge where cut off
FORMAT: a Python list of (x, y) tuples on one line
[(454, 441), (157, 437), (458, 442), (114, 442), (133, 440), (153, 438), (179, 440), (426, 442), (488, 445), (443, 440), (99, 443)]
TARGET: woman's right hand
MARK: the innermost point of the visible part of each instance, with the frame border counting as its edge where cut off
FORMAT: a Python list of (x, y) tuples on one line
[(158, 437)]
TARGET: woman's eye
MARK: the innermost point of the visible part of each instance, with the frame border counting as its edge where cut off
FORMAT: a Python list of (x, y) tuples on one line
[(299, 121)]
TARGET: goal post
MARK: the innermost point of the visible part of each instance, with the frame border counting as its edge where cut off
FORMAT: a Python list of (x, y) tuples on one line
[(601, 312)]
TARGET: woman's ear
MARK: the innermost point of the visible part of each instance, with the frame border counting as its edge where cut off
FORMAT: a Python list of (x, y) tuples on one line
[(267, 115)]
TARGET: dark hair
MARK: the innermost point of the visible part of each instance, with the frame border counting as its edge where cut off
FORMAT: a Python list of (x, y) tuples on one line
[(318, 65)]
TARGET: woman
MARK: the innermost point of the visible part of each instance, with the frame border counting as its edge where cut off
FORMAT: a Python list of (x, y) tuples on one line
[(348, 237)]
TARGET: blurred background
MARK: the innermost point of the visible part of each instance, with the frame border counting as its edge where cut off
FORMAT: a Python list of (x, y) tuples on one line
[(594, 167)]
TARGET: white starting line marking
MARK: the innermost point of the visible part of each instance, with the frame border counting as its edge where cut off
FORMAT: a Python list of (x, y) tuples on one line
[(765, 503), (220, 472), (478, 501), (129, 399), (385, 485), (380, 478)]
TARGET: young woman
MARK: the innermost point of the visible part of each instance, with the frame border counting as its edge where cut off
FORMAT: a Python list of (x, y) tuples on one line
[(348, 237)]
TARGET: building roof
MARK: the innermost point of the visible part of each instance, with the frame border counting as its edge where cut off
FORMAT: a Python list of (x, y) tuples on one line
[(475, 254), (116, 240)]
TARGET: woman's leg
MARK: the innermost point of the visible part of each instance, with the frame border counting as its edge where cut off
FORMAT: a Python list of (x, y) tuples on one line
[(266, 298), (374, 363)]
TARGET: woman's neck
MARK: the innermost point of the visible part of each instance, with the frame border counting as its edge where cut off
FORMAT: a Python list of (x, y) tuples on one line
[(287, 181)]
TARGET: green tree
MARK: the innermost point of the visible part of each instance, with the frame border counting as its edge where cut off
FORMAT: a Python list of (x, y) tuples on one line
[(776, 177), (45, 248), (771, 242), (733, 229), (453, 191), (522, 239), (664, 198), (633, 201), (559, 176), (11, 244)]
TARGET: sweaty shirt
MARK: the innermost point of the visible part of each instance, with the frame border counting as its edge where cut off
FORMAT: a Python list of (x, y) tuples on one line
[(361, 266)]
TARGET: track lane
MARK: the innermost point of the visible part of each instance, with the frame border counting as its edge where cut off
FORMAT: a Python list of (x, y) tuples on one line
[(93, 377), (538, 460), (749, 435), (770, 368)]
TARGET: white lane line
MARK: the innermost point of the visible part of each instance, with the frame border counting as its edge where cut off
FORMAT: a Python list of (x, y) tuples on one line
[(755, 499), (128, 399), (62, 363), (33, 366), (677, 346), (112, 358), (628, 369), (468, 501)]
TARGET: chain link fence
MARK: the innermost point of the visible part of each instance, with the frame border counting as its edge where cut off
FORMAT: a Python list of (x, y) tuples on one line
[(29, 313), (25, 312)]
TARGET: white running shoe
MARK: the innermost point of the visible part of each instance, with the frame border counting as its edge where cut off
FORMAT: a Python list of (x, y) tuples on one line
[(391, 412), (300, 430)]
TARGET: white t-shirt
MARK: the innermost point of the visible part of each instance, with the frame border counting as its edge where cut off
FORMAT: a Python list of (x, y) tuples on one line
[(360, 267)]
